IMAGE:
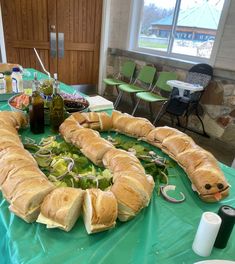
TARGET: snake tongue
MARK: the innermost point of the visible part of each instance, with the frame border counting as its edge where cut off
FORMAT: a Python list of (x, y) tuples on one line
[(218, 196)]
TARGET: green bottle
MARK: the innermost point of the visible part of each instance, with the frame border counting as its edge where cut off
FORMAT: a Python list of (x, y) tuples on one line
[(57, 107), (36, 109)]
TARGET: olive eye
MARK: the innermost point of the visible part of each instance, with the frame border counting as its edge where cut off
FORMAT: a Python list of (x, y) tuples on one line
[(220, 186), (207, 186)]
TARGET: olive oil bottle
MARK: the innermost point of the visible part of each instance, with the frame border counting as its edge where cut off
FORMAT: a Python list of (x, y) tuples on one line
[(57, 107), (36, 108)]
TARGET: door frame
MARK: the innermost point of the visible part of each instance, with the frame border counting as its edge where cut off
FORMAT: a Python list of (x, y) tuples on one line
[(104, 42), (2, 40)]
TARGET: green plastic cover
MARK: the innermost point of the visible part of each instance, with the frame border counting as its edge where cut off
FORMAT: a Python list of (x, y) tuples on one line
[(161, 233)]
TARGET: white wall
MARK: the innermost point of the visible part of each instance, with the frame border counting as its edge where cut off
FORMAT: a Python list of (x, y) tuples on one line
[(225, 58), (119, 23)]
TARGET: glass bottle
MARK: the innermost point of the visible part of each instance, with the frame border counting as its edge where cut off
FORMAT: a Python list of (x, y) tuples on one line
[(17, 81), (36, 109), (2, 84), (8, 81), (56, 107)]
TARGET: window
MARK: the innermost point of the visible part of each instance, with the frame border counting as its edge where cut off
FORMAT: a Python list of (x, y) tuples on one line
[(186, 29)]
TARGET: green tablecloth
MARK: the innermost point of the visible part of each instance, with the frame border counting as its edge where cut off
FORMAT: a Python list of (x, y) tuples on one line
[(161, 233)]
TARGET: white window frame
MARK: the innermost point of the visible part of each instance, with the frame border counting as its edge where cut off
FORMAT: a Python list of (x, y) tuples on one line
[(134, 29)]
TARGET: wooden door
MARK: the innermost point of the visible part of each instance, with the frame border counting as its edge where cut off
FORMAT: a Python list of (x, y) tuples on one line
[(26, 25), (80, 22)]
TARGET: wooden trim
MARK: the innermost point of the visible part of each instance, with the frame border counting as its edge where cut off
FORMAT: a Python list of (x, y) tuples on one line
[(79, 46), (29, 44)]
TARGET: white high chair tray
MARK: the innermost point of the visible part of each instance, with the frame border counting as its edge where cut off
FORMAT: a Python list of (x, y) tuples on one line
[(185, 86)]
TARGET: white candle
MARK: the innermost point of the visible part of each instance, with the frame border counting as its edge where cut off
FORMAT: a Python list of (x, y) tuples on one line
[(206, 234)]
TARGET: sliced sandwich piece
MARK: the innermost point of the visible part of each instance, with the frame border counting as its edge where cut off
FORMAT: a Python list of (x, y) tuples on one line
[(78, 118), (210, 183), (8, 167), (61, 208), (99, 210), (105, 121), (96, 149), (28, 197), (68, 128), (193, 158), (15, 119), (133, 193), (84, 136), (16, 177), (117, 159), (157, 135), (138, 127), (174, 145)]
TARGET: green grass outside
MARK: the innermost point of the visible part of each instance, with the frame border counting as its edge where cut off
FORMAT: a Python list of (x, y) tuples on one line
[(147, 44)]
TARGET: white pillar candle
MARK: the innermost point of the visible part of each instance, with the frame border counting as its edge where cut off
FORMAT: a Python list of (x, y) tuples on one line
[(206, 234)]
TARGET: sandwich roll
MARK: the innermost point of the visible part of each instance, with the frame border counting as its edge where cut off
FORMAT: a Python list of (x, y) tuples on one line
[(18, 176), (28, 196), (210, 183), (132, 194), (121, 160), (99, 210), (68, 128), (175, 145), (105, 121), (157, 135), (96, 149), (78, 118), (83, 136), (61, 208), (10, 167)]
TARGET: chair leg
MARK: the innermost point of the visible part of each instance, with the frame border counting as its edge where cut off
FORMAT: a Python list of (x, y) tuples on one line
[(172, 120), (203, 128), (136, 106), (117, 89), (160, 114), (178, 121), (118, 99), (186, 123), (103, 94), (151, 110), (132, 99)]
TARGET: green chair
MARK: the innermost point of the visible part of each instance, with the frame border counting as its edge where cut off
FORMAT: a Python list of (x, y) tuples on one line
[(126, 73), (163, 88), (142, 83)]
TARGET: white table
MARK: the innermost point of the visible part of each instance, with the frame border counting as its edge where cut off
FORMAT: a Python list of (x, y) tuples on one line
[(182, 86)]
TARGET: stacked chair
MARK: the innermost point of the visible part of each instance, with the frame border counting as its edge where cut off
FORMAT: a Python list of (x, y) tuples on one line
[(142, 83), (123, 77), (159, 93), (188, 104)]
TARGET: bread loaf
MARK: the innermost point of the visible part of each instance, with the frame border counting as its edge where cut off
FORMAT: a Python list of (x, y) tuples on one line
[(201, 166), (61, 208), (99, 210)]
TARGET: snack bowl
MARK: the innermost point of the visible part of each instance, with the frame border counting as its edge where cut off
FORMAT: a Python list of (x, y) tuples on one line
[(73, 103), (19, 103)]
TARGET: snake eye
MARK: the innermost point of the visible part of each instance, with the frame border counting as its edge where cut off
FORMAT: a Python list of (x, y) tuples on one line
[(207, 186), (220, 186)]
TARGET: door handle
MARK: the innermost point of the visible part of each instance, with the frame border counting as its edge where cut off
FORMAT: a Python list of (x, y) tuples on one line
[(61, 45), (53, 50)]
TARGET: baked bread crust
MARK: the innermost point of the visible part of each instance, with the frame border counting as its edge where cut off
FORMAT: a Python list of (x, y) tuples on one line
[(99, 210), (61, 207), (27, 188)]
